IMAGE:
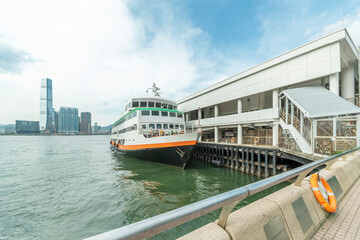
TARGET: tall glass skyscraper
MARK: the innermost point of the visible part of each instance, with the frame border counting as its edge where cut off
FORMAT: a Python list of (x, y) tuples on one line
[(68, 120), (46, 106)]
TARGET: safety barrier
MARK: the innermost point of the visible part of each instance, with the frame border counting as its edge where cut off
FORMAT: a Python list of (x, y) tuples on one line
[(273, 216)]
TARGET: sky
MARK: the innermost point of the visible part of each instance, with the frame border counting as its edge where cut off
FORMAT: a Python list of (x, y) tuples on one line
[(100, 53)]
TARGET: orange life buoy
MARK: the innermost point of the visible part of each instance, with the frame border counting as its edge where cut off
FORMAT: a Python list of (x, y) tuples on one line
[(330, 205), (256, 139), (232, 140), (181, 132)]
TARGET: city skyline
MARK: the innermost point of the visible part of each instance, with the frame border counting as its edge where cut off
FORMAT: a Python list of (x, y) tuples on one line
[(103, 53)]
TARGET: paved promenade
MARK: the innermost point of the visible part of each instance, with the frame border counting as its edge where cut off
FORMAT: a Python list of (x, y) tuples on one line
[(345, 222)]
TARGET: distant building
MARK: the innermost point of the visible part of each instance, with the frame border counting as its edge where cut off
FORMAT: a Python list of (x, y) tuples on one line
[(85, 123), (56, 120), (27, 127), (96, 129), (68, 120), (46, 106), (7, 129)]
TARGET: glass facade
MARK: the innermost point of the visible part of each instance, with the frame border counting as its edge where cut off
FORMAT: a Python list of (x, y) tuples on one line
[(47, 120), (68, 120)]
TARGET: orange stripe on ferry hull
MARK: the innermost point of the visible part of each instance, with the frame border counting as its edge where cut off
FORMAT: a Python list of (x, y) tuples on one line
[(156, 145)]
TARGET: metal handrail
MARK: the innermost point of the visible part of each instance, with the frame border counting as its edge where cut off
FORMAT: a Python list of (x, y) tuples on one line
[(154, 225)]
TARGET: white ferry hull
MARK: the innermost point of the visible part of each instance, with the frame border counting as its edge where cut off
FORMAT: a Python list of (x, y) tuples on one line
[(173, 150)]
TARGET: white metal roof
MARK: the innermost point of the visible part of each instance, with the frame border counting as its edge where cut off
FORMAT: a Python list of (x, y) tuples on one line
[(316, 102), (336, 36)]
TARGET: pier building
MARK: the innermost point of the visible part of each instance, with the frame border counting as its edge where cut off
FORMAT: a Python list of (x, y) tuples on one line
[(305, 100)]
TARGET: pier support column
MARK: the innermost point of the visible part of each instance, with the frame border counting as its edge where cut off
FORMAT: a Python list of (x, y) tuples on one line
[(358, 131), (266, 174), (237, 159), (274, 163), (276, 103), (275, 134), (252, 170), (334, 83), (239, 102), (348, 84), (259, 163), (247, 160), (216, 134), (239, 134), (243, 159)]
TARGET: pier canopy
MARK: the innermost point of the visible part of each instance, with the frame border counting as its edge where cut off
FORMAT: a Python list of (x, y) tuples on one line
[(318, 102)]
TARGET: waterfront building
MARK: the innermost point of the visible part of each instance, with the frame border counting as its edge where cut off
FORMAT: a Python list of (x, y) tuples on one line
[(46, 106), (68, 120), (56, 120), (7, 129), (27, 127), (306, 100), (85, 123), (96, 129)]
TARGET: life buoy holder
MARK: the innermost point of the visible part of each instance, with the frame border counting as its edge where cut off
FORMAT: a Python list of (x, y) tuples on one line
[(328, 204), (232, 140), (256, 139)]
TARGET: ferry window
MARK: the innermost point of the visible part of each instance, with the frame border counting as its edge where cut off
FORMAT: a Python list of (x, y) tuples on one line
[(143, 104), (176, 126), (171, 126), (170, 106), (151, 104), (152, 126), (135, 127), (135, 104), (158, 105), (158, 126), (164, 105), (143, 126), (179, 115), (164, 114), (172, 114), (175, 107), (182, 127), (165, 126), (134, 114), (145, 112), (155, 113)]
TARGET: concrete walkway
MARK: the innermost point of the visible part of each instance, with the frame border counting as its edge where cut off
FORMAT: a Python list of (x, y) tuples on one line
[(345, 222)]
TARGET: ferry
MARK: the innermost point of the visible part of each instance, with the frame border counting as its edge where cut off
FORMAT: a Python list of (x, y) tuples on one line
[(151, 128)]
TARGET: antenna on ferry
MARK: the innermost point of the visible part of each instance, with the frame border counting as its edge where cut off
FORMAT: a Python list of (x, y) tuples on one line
[(155, 90)]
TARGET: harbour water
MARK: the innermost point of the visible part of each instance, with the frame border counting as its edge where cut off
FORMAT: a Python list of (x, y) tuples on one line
[(72, 187)]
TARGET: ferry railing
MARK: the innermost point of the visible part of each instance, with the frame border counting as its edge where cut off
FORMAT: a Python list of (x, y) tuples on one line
[(228, 200)]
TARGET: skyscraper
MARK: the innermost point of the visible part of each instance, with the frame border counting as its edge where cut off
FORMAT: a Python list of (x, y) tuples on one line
[(68, 120), (46, 106), (85, 123)]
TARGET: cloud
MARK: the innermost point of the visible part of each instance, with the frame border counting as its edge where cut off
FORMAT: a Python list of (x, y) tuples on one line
[(12, 60), (352, 23), (98, 52)]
